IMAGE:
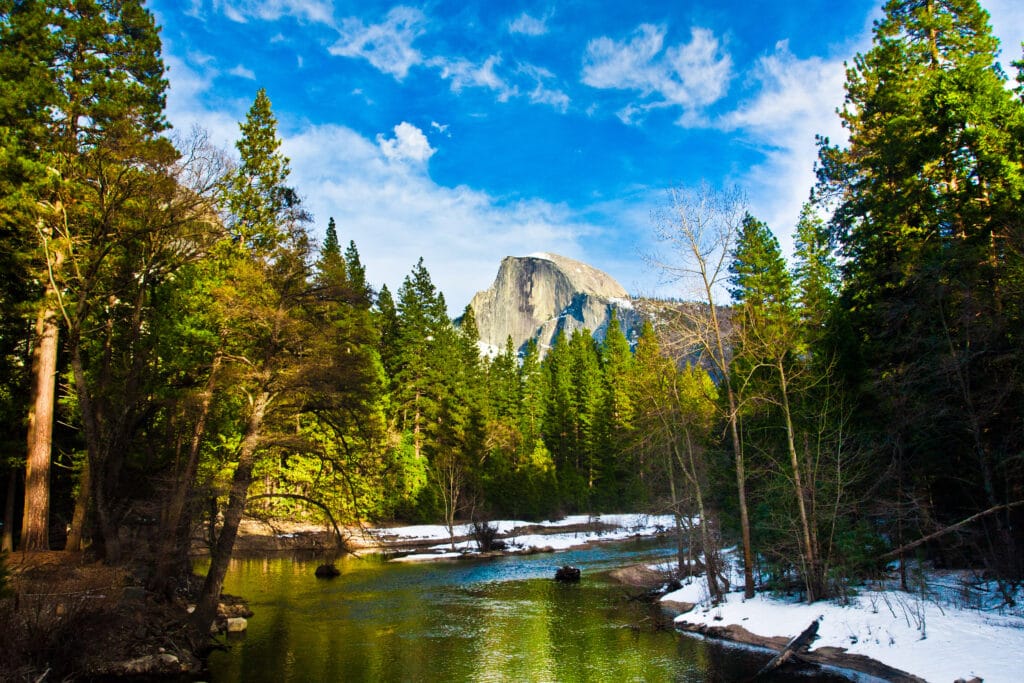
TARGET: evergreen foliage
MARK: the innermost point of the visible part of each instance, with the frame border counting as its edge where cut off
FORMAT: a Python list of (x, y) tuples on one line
[(215, 365)]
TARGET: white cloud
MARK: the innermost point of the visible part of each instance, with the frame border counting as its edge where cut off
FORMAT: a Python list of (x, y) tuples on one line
[(795, 100), (1008, 25), (541, 94), (243, 72), (409, 144), (528, 25), (688, 75), (387, 45), (441, 128), (396, 213), (532, 84), (317, 11), (465, 74)]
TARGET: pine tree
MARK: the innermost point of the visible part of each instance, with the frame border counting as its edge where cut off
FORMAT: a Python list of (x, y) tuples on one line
[(356, 271), (769, 355), (331, 248), (927, 197), (815, 276), (271, 334), (615, 419), (83, 93)]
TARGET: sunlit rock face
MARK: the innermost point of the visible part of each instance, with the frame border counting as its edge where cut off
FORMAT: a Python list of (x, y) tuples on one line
[(533, 297)]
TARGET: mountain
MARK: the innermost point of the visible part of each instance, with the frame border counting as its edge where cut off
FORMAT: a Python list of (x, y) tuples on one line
[(533, 297)]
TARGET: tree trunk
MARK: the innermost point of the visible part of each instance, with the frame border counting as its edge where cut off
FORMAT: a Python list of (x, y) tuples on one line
[(35, 532), (7, 544), (707, 541), (170, 533), (678, 517), (97, 448), (737, 446), (812, 578), (81, 515), (206, 609)]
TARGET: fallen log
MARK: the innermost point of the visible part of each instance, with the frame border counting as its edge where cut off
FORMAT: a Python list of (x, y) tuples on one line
[(798, 644)]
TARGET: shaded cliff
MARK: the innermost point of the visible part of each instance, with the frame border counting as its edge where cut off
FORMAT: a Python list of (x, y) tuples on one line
[(533, 297)]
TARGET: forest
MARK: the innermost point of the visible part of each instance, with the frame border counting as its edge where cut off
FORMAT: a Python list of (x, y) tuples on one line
[(177, 351)]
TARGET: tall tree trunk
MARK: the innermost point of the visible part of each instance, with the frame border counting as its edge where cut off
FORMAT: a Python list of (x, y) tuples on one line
[(707, 540), (737, 447), (812, 578), (35, 532), (170, 533), (206, 609), (7, 544), (81, 514), (678, 517), (97, 448)]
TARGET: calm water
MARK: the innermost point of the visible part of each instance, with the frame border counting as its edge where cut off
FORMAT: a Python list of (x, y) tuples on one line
[(503, 619)]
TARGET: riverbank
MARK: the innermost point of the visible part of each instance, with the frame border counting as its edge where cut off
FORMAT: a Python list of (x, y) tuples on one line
[(426, 542), (937, 634), (70, 619)]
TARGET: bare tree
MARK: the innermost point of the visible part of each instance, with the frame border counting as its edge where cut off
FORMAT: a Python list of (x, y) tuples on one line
[(698, 229)]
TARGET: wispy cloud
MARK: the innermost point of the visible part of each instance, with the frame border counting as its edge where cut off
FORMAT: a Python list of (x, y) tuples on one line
[(317, 11), (517, 80), (243, 72), (388, 46), (541, 93), (463, 73), (528, 25), (794, 99), (688, 75)]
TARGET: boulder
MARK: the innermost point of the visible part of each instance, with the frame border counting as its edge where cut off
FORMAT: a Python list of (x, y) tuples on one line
[(237, 624), (327, 571), (568, 574)]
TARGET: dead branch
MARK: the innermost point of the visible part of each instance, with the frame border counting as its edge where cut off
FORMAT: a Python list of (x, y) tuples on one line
[(948, 529)]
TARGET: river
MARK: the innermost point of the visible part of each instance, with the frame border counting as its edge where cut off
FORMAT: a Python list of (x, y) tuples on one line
[(498, 619)]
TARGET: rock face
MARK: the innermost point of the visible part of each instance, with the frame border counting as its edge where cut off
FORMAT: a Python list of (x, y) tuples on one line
[(533, 297)]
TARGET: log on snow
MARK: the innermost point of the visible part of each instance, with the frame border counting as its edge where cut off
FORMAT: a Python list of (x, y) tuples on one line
[(798, 644)]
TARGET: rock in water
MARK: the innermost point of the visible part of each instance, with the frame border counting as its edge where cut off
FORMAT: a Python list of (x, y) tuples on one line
[(327, 571), (533, 297), (568, 574), (237, 624)]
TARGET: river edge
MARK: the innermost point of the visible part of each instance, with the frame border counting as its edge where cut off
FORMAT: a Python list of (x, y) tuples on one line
[(646, 579), (260, 538)]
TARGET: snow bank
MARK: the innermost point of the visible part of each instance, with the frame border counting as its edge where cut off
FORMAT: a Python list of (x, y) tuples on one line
[(623, 527), (938, 642)]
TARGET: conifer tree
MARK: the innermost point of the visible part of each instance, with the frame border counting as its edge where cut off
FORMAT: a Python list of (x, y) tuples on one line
[(264, 307), (615, 419), (83, 94), (926, 197), (769, 352)]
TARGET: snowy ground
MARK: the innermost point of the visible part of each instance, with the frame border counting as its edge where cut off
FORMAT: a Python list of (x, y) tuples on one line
[(943, 632), (625, 526)]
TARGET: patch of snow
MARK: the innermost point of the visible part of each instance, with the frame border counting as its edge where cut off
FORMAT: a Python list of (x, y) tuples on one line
[(625, 526), (427, 557), (934, 640), (622, 303), (486, 350)]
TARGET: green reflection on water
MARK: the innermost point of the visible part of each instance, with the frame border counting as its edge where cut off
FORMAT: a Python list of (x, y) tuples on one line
[(461, 621)]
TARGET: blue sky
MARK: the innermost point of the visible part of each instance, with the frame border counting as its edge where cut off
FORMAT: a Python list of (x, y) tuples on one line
[(464, 132)]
